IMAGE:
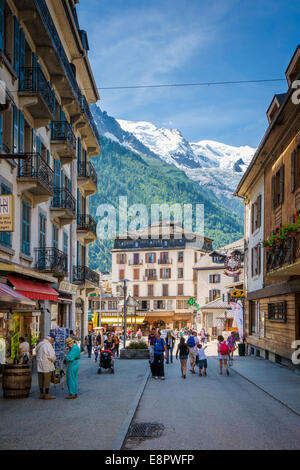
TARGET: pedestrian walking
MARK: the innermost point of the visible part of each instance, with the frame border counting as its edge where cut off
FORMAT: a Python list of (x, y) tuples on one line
[(202, 335), (231, 342), (160, 351), (97, 349), (139, 335), (151, 339), (45, 358), (183, 352), (170, 341), (117, 345), (202, 359), (223, 351), (192, 343), (89, 343), (72, 361)]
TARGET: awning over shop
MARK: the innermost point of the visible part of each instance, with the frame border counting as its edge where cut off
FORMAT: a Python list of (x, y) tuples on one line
[(129, 321), (33, 290), (9, 295)]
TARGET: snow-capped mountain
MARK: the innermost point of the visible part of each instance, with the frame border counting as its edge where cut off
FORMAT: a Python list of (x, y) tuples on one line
[(216, 166)]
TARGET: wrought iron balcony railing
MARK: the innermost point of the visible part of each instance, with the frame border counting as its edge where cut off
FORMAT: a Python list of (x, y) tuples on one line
[(36, 168), (32, 80), (86, 223), (150, 278), (165, 261), (284, 254), (63, 199), (62, 131), (86, 170), (49, 24), (51, 260), (82, 274)]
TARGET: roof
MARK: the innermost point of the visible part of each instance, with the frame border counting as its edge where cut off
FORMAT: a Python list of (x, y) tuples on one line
[(215, 304), (206, 261)]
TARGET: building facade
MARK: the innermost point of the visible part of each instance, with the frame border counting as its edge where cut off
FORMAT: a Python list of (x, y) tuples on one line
[(273, 299), (161, 276), (47, 136)]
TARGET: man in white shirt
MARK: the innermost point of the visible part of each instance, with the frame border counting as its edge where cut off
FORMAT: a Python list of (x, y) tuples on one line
[(45, 358)]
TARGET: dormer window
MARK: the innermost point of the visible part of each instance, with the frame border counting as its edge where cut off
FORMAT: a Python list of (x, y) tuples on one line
[(274, 106), (294, 67)]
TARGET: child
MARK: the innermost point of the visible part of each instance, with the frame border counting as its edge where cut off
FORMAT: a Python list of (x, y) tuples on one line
[(223, 352), (202, 360)]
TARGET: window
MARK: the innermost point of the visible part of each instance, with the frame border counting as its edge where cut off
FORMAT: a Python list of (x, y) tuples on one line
[(112, 305), (254, 318), (66, 243), (26, 216), (214, 294), (256, 261), (256, 214), (19, 47), (164, 257), (278, 188), (214, 278), (150, 290), (136, 274), (121, 274), (136, 258), (295, 169), (55, 236), (165, 290), (42, 234), (121, 258), (5, 237), (150, 274), (180, 273), (277, 311), (165, 273), (195, 257), (136, 290), (159, 305), (150, 257), (181, 304), (169, 304), (179, 289), (180, 257)]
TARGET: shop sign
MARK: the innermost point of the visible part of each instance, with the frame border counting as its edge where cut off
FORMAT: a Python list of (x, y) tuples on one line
[(7, 213), (232, 266), (67, 287)]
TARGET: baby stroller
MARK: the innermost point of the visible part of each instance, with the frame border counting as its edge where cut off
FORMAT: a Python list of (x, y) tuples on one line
[(106, 361)]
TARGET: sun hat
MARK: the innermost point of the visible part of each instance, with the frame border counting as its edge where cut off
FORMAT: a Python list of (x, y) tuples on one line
[(69, 341)]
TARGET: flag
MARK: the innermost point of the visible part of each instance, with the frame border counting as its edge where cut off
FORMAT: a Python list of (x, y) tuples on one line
[(238, 313)]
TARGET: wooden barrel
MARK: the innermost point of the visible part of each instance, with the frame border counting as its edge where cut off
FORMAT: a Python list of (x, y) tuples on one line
[(16, 381)]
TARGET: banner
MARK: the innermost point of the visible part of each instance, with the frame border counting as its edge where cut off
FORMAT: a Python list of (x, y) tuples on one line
[(238, 313)]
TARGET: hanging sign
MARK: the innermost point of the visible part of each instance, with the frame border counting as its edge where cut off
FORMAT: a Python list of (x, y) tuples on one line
[(232, 266)]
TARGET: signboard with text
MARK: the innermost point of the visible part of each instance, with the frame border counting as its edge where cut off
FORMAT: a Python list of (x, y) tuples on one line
[(7, 213)]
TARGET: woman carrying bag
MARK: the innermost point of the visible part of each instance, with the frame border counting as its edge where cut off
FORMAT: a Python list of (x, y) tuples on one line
[(72, 368)]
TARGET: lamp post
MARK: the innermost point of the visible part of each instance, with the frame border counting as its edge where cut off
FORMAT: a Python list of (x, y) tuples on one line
[(124, 281)]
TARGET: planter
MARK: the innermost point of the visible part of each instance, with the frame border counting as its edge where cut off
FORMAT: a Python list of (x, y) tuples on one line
[(134, 354)]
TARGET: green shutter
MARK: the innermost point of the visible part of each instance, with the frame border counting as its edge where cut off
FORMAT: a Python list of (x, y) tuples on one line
[(21, 133), (15, 130), (79, 152), (16, 45), (2, 19), (26, 215)]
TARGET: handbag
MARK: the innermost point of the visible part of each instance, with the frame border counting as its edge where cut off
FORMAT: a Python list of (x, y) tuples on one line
[(55, 379)]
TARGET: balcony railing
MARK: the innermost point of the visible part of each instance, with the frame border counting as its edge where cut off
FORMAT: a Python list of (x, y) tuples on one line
[(51, 260), (135, 263), (36, 168), (86, 170), (63, 199), (284, 254), (32, 80), (150, 278), (49, 24), (165, 261), (86, 223), (62, 131), (82, 274)]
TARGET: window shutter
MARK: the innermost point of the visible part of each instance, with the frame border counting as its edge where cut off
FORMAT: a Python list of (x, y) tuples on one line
[(16, 46), (154, 258), (252, 262), (22, 49), (259, 259), (161, 273), (259, 211), (273, 192), (21, 133), (281, 198), (1, 131), (2, 2), (219, 278), (252, 218), (210, 295), (15, 130), (293, 171), (118, 259)]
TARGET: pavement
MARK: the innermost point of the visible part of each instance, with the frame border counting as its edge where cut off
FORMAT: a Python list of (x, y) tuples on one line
[(220, 412), (93, 421)]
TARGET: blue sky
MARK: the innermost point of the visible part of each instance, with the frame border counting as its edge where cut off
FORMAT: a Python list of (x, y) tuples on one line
[(137, 42)]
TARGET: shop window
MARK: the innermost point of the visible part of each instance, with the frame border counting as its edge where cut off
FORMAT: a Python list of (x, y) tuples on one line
[(277, 311)]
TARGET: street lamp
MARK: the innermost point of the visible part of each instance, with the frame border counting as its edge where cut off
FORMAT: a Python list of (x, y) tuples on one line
[(124, 281)]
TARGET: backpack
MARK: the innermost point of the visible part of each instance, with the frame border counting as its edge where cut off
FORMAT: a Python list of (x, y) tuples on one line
[(224, 350), (191, 342)]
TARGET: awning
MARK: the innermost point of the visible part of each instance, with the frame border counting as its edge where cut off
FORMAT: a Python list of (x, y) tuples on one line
[(9, 295), (114, 320), (33, 290)]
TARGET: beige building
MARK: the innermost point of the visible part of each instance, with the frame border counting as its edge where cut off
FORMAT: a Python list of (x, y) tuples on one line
[(215, 283), (47, 136), (160, 273)]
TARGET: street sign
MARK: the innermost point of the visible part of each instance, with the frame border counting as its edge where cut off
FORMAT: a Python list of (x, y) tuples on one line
[(7, 215), (238, 293)]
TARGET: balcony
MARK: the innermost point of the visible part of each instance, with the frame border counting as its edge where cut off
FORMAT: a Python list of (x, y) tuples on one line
[(36, 95), (35, 177), (38, 20), (135, 263), (51, 260), (150, 278), (63, 207), (83, 275), (165, 261), (86, 229), (284, 260), (63, 141), (87, 178)]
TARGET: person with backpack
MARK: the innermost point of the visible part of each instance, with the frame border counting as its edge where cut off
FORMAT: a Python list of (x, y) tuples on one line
[(223, 354), (183, 351), (192, 343), (160, 350)]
